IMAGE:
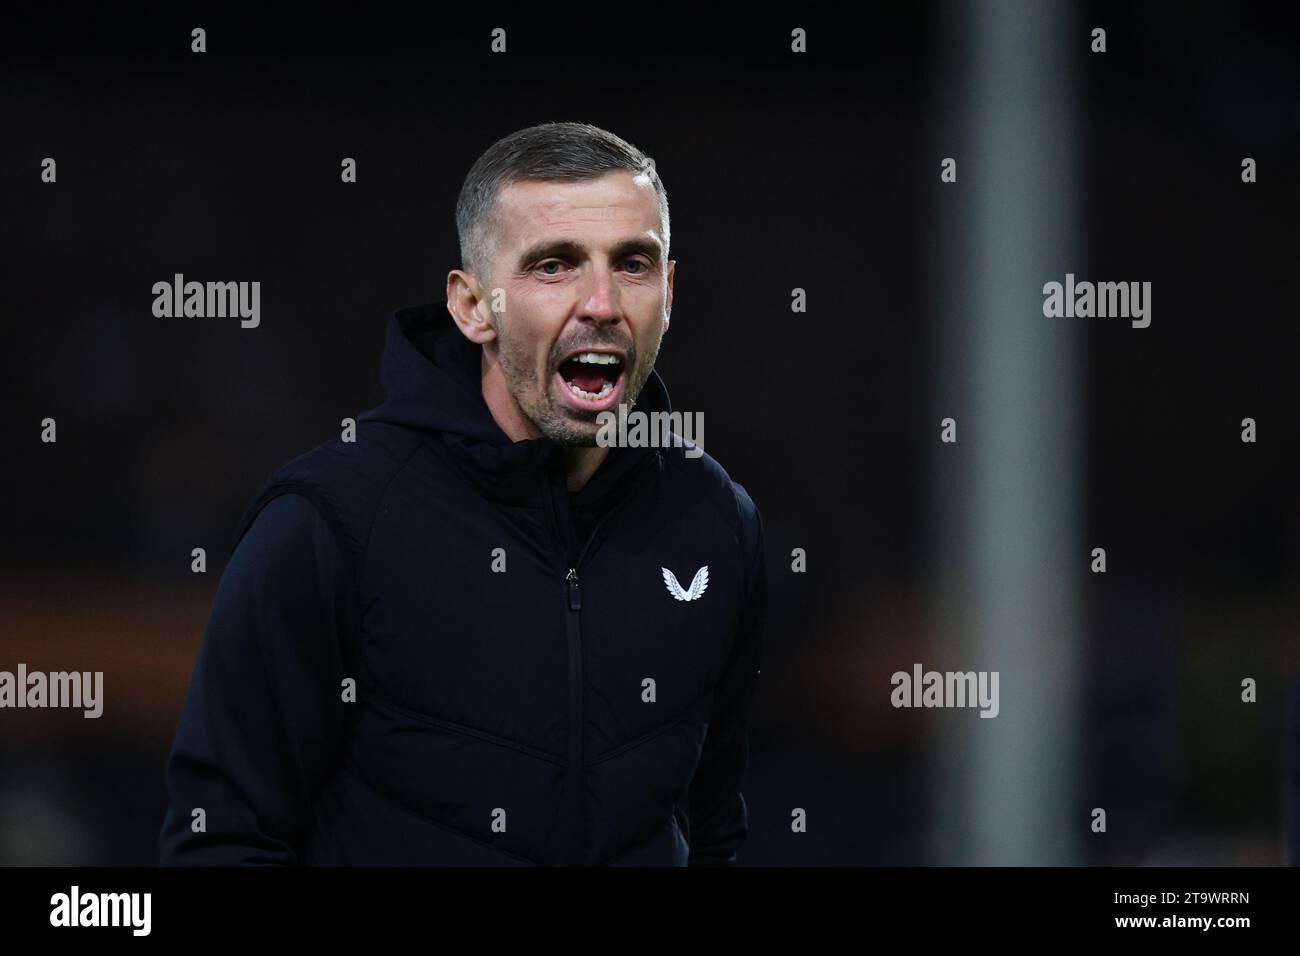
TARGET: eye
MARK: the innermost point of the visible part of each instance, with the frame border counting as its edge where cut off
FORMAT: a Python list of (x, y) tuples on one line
[(545, 266), (640, 269)]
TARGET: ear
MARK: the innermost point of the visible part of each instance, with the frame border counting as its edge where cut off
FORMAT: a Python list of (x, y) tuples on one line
[(470, 307), (668, 305)]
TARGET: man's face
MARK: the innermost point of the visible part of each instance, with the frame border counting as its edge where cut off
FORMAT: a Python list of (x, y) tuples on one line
[(587, 295)]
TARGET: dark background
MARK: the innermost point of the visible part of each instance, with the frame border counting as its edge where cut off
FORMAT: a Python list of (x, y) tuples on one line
[(818, 171)]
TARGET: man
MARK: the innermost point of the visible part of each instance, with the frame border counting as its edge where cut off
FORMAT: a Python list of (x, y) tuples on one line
[(465, 637)]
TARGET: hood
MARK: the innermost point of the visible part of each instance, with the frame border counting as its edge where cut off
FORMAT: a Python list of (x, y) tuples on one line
[(431, 376)]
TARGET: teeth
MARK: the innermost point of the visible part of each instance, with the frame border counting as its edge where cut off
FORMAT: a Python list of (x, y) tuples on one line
[(596, 358), (592, 396)]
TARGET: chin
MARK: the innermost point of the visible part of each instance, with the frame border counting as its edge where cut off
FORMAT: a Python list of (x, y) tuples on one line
[(576, 438)]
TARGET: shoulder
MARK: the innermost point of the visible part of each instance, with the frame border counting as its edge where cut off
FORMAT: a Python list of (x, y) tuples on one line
[(287, 517), (343, 480), (287, 538), (707, 478), (372, 450)]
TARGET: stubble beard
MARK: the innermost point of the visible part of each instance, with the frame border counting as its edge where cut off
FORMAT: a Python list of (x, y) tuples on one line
[(558, 422)]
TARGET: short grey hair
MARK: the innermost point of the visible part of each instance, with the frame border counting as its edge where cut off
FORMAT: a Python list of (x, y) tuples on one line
[(565, 152)]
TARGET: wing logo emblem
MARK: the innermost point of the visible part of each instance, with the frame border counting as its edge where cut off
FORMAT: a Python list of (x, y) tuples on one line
[(699, 584)]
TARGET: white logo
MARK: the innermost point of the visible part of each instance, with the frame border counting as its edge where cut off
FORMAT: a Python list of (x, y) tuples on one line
[(699, 584)]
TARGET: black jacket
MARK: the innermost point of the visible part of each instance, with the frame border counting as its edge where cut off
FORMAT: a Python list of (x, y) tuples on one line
[(426, 650)]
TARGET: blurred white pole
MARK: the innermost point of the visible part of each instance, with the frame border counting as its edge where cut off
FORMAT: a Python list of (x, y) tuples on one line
[(1008, 493)]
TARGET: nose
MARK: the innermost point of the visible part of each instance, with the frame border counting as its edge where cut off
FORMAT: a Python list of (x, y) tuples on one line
[(601, 303)]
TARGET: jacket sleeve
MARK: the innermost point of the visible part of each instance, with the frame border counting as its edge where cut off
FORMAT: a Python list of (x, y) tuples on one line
[(719, 816), (262, 722)]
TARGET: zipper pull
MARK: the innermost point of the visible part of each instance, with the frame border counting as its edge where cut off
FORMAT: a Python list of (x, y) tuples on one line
[(575, 596)]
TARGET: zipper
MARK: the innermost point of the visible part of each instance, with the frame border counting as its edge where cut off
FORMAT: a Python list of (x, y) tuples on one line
[(573, 590), (574, 849), (575, 839)]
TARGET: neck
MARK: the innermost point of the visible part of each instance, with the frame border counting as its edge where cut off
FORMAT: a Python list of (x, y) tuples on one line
[(580, 461)]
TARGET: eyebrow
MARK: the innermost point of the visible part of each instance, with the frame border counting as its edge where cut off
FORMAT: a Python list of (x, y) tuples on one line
[(573, 249)]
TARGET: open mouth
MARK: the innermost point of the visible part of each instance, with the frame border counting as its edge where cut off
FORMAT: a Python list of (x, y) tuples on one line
[(592, 378)]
